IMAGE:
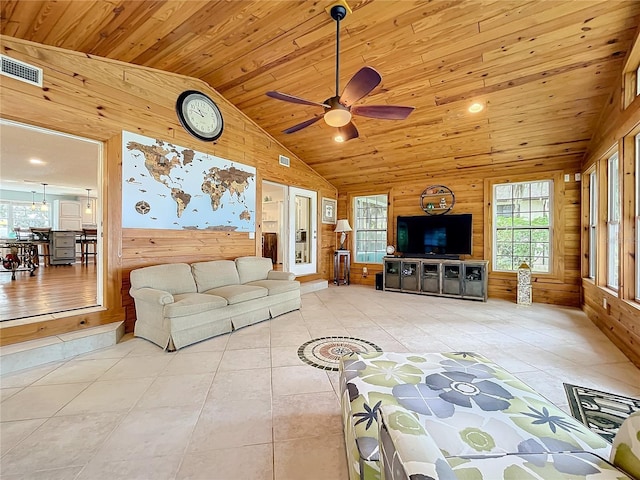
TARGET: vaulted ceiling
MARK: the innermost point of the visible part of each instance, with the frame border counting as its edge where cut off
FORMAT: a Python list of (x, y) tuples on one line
[(542, 69)]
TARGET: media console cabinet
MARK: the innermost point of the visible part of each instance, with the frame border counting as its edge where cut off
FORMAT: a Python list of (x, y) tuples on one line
[(432, 276)]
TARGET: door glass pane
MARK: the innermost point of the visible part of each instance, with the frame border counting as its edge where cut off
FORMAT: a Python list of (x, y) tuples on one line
[(303, 237)]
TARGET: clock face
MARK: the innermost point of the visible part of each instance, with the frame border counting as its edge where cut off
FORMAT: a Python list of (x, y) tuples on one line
[(390, 249), (199, 115)]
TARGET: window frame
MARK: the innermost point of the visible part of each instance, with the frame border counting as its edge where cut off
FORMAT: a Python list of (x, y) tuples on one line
[(494, 233), (631, 75), (613, 220), (637, 215), (557, 272), (592, 238), (355, 233), (27, 205)]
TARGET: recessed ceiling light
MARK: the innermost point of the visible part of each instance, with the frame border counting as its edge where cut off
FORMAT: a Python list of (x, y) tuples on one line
[(476, 107), (338, 138), (36, 161)]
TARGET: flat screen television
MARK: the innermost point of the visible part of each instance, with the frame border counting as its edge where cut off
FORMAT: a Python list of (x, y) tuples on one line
[(437, 235)]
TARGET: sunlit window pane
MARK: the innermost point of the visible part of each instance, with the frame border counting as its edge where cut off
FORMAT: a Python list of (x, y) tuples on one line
[(522, 225), (370, 228)]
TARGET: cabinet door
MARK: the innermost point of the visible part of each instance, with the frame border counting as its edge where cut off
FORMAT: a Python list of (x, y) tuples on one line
[(474, 280), (392, 274), (451, 279), (410, 280), (70, 208), (431, 277)]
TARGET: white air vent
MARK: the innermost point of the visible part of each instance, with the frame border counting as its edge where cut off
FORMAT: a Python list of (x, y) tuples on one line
[(284, 161), (21, 71)]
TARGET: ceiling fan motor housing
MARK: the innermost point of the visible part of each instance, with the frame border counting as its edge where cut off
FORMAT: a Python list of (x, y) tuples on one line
[(338, 12)]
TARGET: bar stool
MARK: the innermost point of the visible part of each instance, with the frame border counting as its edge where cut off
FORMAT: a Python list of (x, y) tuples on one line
[(41, 237), (88, 239)]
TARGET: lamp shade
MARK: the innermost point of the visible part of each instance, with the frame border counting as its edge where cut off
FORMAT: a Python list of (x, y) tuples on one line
[(342, 226)]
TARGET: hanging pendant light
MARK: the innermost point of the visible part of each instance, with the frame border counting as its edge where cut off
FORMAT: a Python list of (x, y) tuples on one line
[(88, 209), (44, 207), (33, 199)]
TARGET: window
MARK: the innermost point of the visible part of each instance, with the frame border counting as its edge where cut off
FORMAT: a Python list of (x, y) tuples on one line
[(613, 221), (637, 252), (522, 232), (370, 230), (15, 214), (631, 75), (593, 223)]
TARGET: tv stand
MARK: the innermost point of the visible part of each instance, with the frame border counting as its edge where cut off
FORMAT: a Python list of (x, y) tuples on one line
[(436, 276)]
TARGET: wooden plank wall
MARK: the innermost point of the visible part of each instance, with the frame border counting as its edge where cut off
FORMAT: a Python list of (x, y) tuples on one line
[(468, 187), (97, 98), (619, 317)]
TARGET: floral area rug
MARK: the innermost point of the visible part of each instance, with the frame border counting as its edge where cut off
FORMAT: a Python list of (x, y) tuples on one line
[(325, 352), (602, 412)]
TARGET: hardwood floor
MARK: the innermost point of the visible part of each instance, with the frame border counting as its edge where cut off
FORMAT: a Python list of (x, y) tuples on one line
[(52, 289)]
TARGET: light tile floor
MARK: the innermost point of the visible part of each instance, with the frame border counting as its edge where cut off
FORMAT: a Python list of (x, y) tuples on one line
[(243, 405)]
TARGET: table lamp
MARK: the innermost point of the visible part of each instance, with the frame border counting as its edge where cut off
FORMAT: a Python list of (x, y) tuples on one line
[(342, 227)]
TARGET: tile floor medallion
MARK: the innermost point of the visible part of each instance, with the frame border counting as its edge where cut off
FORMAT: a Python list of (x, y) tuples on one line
[(325, 352)]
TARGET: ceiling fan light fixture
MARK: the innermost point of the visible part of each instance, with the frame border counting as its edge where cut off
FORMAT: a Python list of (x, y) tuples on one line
[(337, 117)]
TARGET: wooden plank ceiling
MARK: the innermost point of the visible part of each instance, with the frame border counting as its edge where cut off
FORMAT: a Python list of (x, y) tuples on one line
[(543, 69)]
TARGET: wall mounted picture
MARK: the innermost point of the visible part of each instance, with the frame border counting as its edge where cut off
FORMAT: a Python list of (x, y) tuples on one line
[(329, 208), (166, 186)]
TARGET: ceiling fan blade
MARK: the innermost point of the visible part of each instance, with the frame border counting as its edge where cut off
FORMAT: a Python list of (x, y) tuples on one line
[(385, 112), (348, 132), (290, 98), (302, 125), (360, 85)]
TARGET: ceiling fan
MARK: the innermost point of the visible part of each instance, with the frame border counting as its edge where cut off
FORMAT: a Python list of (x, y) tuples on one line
[(338, 110)]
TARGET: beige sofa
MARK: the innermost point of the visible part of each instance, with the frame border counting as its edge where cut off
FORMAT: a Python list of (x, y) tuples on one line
[(179, 304)]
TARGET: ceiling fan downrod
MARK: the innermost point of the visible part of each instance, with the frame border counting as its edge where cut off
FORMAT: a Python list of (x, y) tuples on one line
[(338, 12)]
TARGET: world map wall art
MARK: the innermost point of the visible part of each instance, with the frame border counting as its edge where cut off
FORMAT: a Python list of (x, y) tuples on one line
[(166, 186)]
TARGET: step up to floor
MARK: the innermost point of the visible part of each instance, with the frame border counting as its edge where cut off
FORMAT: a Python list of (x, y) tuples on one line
[(313, 286), (58, 347)]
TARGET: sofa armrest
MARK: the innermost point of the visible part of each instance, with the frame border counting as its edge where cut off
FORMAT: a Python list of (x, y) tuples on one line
[(625, 452), (151, 295), (406, 449), (274, 275)]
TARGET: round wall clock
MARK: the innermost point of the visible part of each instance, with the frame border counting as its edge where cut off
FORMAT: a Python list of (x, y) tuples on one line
[(199, 115)]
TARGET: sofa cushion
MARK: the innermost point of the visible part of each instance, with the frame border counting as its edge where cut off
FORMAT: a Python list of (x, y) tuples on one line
[(277, 286), (193, 303), (468, 404), (274, 275), (238, 293), (173, 278), (406, 449), (217, 273), (251, 269)]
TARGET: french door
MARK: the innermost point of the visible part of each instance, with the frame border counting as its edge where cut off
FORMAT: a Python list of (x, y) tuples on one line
[(303, 231)]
